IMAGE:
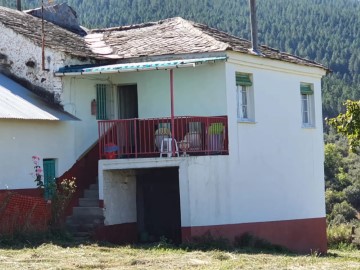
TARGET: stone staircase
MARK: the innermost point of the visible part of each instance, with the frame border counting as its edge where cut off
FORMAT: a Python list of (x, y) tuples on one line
[(87, 216)]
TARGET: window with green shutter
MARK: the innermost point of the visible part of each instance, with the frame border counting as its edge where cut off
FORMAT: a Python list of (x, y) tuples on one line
[(245, 97), (101, 102), (307, 105), (243, 79)]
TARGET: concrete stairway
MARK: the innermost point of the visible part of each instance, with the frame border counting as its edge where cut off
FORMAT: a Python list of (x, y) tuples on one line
[(87, 216)]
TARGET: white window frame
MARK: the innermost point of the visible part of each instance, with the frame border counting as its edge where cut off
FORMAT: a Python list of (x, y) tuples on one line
[(307, 110), (245, 104)]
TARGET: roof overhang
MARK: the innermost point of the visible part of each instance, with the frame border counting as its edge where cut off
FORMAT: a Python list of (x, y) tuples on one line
[(17, 102), (140, 66)]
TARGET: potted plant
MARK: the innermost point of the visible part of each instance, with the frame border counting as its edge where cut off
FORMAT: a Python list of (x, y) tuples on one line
[(215, 137)]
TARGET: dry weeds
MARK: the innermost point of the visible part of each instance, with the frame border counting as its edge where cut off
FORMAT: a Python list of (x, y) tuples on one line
[(93, 256)]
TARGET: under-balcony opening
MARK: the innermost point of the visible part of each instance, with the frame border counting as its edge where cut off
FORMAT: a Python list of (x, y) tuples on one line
[(158, 204)]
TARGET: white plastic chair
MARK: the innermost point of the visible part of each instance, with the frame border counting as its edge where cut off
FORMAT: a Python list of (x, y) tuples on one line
[(166, 147)]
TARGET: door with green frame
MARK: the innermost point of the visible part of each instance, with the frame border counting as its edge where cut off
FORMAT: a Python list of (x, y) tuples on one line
[(49, 177)]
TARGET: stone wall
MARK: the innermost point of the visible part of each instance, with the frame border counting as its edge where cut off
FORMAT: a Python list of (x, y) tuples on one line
[(21, 58)]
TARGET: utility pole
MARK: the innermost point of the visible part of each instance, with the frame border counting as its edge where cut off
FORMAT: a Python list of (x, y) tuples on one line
[(18, 5), (253, 24), (42, 37)]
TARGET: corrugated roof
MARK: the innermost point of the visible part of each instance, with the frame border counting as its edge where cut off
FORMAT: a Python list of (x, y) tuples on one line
[(175, 36), (139, 66), (16, 102)]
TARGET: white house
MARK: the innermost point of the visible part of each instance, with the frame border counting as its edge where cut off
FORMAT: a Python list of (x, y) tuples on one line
[(195, 132), (57, 136)]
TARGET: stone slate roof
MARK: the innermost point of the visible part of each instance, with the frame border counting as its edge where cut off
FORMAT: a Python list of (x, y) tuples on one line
[(61, 15), (175, 36), (56, 37), (166, 37)]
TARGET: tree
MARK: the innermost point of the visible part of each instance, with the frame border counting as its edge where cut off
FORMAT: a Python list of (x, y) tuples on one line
[(348, 123)]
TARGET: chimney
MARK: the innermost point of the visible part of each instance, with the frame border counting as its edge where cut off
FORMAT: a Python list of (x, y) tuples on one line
[(253, 25), (18, 5)]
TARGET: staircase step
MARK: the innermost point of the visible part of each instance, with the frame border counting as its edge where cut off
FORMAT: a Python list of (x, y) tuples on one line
[(87, 216), (86, 202), (82, 234), (89, 227), (85, 219), (87, 211), (94, 187), (91, 194)]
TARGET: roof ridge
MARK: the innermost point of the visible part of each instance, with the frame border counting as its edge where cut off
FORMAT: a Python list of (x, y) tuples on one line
[(129, 27)]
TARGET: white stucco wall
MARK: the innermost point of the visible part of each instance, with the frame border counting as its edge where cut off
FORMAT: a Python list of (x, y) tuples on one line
[(77, 97), (274, 170), (20, 140), (197, 91), (120, 187)]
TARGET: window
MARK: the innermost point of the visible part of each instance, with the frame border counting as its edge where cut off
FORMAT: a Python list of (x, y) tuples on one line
[(245, 98), (307, 105), (103, 101)]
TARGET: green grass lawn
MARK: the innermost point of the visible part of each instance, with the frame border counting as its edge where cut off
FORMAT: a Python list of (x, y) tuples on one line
[(96, 256)]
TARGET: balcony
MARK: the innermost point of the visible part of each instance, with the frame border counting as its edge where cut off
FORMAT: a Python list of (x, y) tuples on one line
[(155, 137)]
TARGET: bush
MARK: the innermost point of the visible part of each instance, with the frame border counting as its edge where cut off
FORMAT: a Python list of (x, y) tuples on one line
[(339, 235), (344, 209), (248, 240), (332, 164), (352, 194), (207, 242), (337, 220), (62, 194), (332, 197)]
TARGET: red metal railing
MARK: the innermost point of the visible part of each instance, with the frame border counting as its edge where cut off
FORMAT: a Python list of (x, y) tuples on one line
[(134, 138)]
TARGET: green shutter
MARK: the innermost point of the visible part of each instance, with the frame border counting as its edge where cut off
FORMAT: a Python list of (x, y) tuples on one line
[(243, 79), (49, 177), (101, 102), (305, 89)]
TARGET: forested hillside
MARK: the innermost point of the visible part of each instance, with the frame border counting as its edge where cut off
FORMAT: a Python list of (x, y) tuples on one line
[(327, 31)]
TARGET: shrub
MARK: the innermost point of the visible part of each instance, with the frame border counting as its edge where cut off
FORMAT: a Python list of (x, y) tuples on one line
[(207, 242), (247, 240), (339, 235), (337, 220), (332, 197), (61, 198), (352, 194), (344, 209)]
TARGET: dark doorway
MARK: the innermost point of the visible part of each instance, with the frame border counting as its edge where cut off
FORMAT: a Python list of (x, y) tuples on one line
[(128, 109), (128, 101), (158, 204)]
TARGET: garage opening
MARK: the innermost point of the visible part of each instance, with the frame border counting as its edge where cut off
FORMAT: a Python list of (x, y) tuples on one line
[(158, 204)]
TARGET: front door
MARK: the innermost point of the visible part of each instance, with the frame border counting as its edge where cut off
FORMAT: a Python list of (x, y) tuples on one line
[(49, 177)]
